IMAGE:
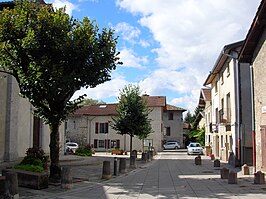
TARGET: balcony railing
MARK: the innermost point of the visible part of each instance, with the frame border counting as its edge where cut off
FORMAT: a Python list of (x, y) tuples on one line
[(225, 116)]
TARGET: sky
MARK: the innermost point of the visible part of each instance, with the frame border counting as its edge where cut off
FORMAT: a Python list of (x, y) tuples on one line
[(167, 47)]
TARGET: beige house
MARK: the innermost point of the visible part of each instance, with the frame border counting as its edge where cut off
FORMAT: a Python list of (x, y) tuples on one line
[(19, 129), (253, 54), (206, 109), (230, 103), (92, 125)]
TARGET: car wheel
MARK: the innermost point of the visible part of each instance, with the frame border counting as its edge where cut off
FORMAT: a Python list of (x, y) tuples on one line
[(176, 147)]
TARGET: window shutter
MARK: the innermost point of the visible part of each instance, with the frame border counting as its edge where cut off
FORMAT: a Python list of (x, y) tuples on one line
[(106, 127), (118, 143), (108, 144), (95, 143), (96, 127)]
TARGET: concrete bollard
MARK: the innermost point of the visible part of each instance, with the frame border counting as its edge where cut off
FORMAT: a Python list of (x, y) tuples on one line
[(245, 169), (66, 178), (259, 178), (115, 166), (198, 160), (216, 163), (224, 173), (232, 177), (122, 165), (11, 185), (132, 163), (144, 157), (2, 185), (106, 174)]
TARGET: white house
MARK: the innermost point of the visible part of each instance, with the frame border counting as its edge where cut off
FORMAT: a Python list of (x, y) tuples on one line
[(92, 125)]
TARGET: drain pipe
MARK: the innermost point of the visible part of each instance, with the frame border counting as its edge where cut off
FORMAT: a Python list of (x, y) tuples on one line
[(253, 118)]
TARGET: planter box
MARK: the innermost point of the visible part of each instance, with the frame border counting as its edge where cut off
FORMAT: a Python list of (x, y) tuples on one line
[(30, 179), (117, 152)]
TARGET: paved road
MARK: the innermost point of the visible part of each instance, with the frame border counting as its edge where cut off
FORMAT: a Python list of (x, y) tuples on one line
[(170, 175)]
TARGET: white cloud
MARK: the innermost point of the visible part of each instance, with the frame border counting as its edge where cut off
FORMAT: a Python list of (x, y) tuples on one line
[(190, 34), (108, 89), (128, 32), (130, 59), (64, 3)]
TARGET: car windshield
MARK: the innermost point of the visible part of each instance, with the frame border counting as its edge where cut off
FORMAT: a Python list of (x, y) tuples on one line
[(71, 145), (195, 145)]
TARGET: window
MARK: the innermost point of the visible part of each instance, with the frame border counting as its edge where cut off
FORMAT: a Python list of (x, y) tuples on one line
[(170, 116), (101, 143), (215, 87), (113, 144), (101, 127), (228, 69), (168, 131), (228, 107), (222, 78)]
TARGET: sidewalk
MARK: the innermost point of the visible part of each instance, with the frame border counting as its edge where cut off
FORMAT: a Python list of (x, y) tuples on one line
[(169, 175)]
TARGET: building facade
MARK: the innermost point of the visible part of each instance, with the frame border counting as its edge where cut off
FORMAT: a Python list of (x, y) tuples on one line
[(253, 55), (19, 129), (93, 125), (230, 102)]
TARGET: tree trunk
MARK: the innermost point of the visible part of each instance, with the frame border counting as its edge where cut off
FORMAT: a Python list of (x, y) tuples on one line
[(55, 170)]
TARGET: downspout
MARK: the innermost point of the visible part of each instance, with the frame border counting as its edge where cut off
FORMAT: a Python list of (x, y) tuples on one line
[(253, 118)]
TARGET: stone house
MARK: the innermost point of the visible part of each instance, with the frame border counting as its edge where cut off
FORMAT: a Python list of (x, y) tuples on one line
[(230, 124), (253, 55), (92, 125)]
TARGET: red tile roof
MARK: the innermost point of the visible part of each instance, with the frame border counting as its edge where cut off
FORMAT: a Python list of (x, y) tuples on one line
[(174, 108), (110, 109)]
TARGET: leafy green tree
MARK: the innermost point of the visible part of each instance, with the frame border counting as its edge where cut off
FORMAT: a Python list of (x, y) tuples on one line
[(52, 55), (89, 101), (133, 114)]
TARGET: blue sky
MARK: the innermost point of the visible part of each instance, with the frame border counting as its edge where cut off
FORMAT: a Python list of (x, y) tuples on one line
[(168, 47)]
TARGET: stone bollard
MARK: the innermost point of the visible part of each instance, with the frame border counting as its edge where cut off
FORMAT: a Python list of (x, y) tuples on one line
[(148, 156), (115, 166), (66, 178), (198, 160), (245, 169), (212, 156), (132, 163), (106, 174), (216, 163), (2, 185), (11, 185), (232, 177), (259, 178), (144, 157), (224, 173), (122, 165)]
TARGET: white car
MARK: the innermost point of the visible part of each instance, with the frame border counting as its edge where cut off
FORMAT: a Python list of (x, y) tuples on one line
[(71, 147), (194, 148), (171, 145)]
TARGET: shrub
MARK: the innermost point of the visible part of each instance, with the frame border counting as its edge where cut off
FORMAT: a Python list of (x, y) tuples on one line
[(28, 167), (35, 160), (84, 151)]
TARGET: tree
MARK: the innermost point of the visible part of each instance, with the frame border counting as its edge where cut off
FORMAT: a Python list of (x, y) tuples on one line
[(89, 101), (52, 55), (133, 114)]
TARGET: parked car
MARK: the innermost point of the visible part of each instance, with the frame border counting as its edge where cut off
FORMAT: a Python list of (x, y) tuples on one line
[(194, 148), (171, 145), (71, 147)]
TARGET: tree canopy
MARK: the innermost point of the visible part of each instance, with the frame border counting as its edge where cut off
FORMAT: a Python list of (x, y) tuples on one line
[(133, 114), (52, 55)]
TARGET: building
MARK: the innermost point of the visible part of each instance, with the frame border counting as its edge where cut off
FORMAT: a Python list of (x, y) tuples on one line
[(230, 124), (253, 55), (92, 125)]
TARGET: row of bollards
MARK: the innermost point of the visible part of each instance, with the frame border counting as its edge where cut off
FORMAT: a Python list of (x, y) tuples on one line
[(106, 172), (9, 186), (259, 177)]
